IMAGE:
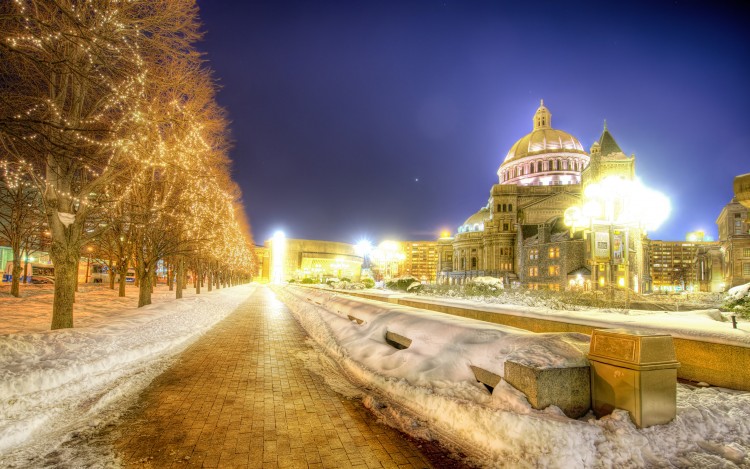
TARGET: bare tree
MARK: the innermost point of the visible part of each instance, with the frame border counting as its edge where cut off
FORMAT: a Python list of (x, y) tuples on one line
[(73, 76), (20, 218)]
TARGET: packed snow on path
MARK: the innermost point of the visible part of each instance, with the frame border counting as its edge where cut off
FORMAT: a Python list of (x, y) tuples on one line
[(429, 391), (53, 384)]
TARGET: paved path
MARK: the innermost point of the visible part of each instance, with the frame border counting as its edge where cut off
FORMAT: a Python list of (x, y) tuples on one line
[(239, 397)]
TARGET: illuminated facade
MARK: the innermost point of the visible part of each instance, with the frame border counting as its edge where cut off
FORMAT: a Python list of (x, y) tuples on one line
[(734, 237), (421, 259), (519, 235), (313, 259), (674, 267)]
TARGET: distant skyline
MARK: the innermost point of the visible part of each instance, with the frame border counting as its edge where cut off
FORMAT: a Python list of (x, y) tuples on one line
[(390, 119)]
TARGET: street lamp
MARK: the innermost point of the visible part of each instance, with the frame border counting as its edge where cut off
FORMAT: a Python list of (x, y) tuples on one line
[(88, 263), (278, 257), (386, 254), (609, 210), (364, 248)]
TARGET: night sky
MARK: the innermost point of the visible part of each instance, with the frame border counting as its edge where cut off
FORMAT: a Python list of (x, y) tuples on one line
[(390, 119)]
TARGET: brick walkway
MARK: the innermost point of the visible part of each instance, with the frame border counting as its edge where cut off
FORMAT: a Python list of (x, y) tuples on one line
[(239, 397)]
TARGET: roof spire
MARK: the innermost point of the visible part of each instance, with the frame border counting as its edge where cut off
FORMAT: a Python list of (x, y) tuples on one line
[(542, 117), (605, 124)]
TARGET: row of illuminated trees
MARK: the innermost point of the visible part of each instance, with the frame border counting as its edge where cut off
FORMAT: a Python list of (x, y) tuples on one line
[(110, 135)]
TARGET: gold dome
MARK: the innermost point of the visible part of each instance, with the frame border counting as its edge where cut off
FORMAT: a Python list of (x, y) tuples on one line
[(476, 221), (543, 139)]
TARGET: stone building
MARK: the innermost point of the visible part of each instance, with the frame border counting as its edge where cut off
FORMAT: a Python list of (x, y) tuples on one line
[(734, 238), (519, 235), (709, 268)]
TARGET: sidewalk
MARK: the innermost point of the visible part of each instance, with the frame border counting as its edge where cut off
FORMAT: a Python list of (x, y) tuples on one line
[(239, 397)]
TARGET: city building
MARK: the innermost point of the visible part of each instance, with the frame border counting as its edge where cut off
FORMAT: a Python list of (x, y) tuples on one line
[(298, 259), (421, 259), (734, 237), (677, 266), (519, 235)]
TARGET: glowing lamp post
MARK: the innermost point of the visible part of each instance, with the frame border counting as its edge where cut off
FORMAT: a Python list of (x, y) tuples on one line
[(386, 254), (278, 257), (364, 248), (608, 211)]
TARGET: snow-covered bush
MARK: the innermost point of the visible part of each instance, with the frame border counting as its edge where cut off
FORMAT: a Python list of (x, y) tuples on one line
[(407, 284), (738, 300), (483, 286)]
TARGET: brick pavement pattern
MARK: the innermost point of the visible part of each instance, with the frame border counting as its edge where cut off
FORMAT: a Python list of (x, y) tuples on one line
[(238, 397)]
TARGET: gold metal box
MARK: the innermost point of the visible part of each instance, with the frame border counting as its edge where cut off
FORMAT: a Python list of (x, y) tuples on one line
[(634, 371)]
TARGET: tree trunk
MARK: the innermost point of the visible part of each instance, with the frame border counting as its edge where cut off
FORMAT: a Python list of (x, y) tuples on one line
[(209, 279), (111, 276), (170, 278), (198, 279), (123, 272), (65, 259), (15, 286), (145, 286), (179, 278), (26, 269)]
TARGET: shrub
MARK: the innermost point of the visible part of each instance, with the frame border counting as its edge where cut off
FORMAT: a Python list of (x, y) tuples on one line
[(307, 280), (368, 282), (291, 280), (407, 284), (738, 300)]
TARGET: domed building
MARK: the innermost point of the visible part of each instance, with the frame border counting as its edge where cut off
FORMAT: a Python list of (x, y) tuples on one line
[(519, 235), (544, 157)]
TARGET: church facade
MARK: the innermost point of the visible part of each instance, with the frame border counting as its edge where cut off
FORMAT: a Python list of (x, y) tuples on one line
[(519, 235)]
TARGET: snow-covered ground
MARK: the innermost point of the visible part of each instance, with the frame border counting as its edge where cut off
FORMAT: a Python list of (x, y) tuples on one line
[(53, 384), (428, 390)]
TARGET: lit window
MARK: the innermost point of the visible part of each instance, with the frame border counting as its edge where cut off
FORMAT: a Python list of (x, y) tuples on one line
[(533, 254), (554, 270), (554, 252), (533, 271)]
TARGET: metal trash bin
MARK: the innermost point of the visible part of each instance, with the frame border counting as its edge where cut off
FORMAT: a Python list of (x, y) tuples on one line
[(635, 371)]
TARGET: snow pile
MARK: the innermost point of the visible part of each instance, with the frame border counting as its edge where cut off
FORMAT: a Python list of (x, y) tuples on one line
[(56, 381), (739, 292), (429, 391)]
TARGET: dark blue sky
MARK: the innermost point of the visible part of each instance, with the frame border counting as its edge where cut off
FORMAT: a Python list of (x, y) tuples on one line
[(338, 107)]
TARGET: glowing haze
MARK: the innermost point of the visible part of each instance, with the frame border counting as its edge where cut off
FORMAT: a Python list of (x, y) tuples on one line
[(390, 119)]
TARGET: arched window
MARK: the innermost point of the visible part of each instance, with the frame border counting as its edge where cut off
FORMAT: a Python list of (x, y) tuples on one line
[(463, 263), (510, 207), (473, 263), (538, 166)]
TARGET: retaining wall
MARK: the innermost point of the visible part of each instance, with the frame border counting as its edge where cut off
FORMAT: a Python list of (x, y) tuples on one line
[(700, 360)]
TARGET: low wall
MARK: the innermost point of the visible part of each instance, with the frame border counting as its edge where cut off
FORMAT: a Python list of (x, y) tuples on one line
[(700, 360)]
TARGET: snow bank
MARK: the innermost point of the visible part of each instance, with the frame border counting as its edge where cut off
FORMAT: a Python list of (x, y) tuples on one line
[(739, 292), (429, 391), (55, 381)]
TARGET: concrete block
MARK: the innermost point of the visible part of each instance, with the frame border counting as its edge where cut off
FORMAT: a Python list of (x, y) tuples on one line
[(397, 340), (567, 388)]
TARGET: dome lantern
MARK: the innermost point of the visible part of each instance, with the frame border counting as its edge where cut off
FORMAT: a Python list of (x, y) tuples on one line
[(542, 117)]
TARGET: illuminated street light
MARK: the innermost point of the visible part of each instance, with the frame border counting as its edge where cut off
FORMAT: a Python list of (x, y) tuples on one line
[(386, 254), (278, 257), (609, 209)]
